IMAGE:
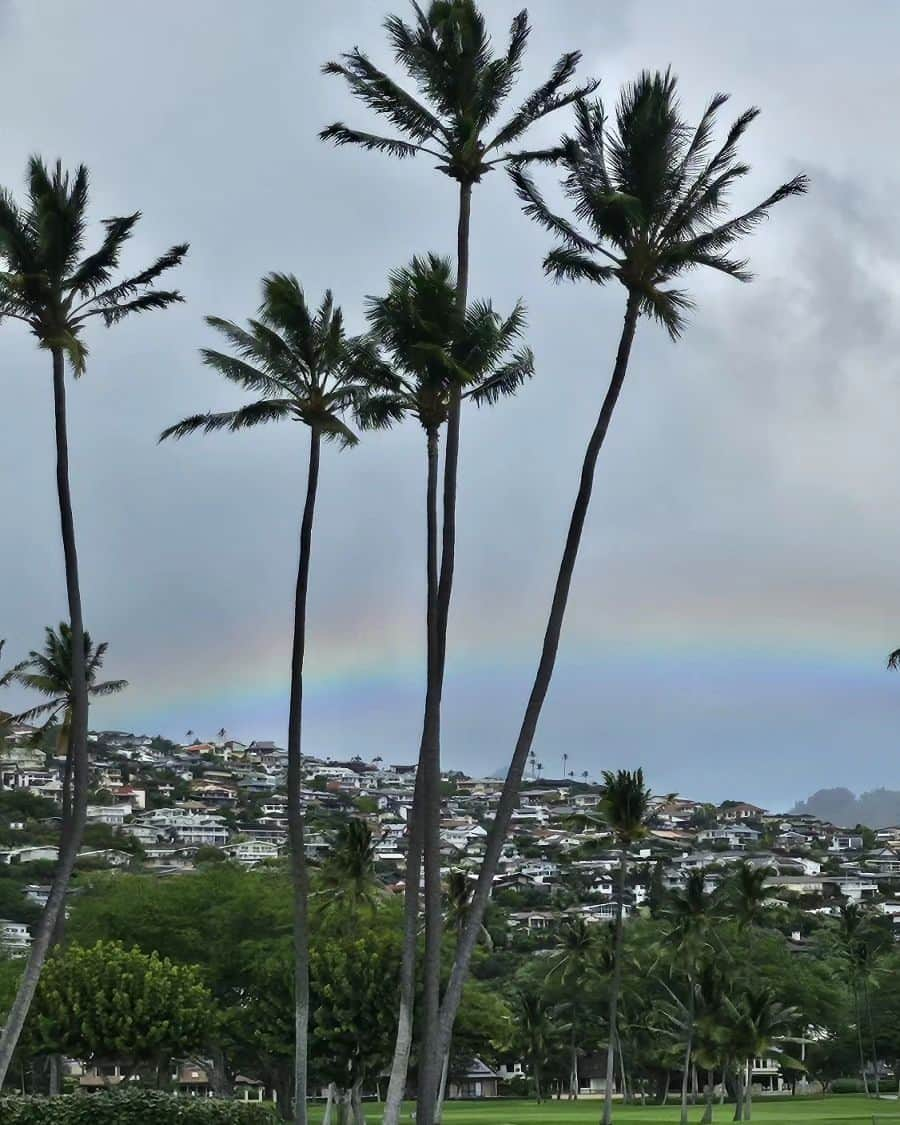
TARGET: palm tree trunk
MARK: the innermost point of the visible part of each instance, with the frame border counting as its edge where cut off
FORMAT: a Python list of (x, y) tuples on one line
[(433, 1042), (710, 1091), (329, 1102), (859, 1038), (442, 1089), (614, 989), (739, 1099), (403, 1043), (748, 1108), (687, 1053), (622, 1072), (70, 836), (867, 999), (509, 797), (296, 826)]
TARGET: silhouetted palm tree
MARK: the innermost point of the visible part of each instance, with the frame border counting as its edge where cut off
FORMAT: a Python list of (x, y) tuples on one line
[(653, 193), (348, 875), (303, 369), (748, 893), (461, 86), (50, 674), (625, 806), (752, 1026), (688, 914), (575, 948), (51, 286), (434, 357), (893, 660)]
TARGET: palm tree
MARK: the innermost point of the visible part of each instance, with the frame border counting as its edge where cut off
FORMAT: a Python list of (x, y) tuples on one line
[(433, 357), (625, 805), (50, 285), (687, 914), (752, 1027), (654, 194), (461, 87), (749, 894), (303, 369), (893, 661), (348, 875), (860, 943), (574, 952), (50, 674), (534, 1032)]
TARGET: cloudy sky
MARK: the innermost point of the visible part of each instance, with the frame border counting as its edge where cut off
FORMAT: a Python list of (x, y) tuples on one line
[(738, 585)]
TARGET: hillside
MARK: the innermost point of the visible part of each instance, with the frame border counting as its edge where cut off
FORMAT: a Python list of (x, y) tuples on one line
[(878, 808)]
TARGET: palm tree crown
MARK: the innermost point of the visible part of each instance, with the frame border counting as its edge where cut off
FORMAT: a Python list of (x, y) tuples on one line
[(300, 363), (431, 353), (652, 192), (625, 803), (460, 88), (49, 672), (49, 284)]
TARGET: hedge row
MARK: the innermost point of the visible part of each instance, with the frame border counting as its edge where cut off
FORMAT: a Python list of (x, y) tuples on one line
[(132, 1107)]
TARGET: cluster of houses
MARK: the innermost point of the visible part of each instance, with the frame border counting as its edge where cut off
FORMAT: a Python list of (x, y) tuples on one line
[(169, 805)]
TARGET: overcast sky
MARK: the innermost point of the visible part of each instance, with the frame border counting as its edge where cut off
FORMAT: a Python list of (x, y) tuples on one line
[(738, 585)]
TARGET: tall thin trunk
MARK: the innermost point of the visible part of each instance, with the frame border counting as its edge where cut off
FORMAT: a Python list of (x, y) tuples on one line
[(859, 1038), (739, 1099), (710, 1093), (538, 1093), (867, 999), (403, 1043), (357, 1109), (622, 1072), (685, 1071), (329, 1102), (433, 1042), (614, 989), (70, 837), (296, 826), (510, 795), (748, 1104), (442, 1089)]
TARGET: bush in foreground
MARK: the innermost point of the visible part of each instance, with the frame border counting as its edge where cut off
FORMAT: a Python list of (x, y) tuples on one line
[(132, 1107)]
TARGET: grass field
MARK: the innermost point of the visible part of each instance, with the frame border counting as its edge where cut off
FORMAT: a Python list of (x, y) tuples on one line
[(835, 1110)]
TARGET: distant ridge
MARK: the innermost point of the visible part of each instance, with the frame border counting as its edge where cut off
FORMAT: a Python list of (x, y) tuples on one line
[(879, 808)]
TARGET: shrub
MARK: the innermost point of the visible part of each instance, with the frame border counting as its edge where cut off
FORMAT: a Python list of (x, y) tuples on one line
[(132, 1107)]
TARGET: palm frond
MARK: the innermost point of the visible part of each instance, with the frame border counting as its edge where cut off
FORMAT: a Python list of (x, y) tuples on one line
[(565, 264), (157, 299), (340, 134), (505, 381)]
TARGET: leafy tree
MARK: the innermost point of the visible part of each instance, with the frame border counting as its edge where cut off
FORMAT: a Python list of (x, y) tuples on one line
[(747, 893), (461, 87), (304, 370), (625, 805), (533, 1025), (575, 948), (752, 1026), (348, 886), (50, 673), (653, 193), (107, 1003), (50, 286)]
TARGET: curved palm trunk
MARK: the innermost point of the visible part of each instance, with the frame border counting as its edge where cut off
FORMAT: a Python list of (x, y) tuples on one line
[(739, 1099), (433, 1043), (403, 1044), (296, 827), (71, 833), (614, 989), (510, 794), (710, 1093)]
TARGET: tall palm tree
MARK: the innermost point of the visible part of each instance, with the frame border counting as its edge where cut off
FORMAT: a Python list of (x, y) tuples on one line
[(860, 942), (653, 193), (434, 357), (460, 86), (50, 674), (348, 877), (753, 1026), (575, 949), (303, 369), (893, 661), (688, 914), (625, 803), (51, 286), (748, 893), (534, 1032)]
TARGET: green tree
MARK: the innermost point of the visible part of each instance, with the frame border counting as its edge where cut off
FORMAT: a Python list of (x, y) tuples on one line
[(108, 1003), (625, 805), (688, 914), (753, 1026), (653, 192), (748, 894), (304, 369), (56, 290), (461, 87), (348, 886), (575, 949), (533, 1023), (50, 673)]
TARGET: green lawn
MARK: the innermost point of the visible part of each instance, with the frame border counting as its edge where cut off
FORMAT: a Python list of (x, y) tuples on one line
[(835, 1110)]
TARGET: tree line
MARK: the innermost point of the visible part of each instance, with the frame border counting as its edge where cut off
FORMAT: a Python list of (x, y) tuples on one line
[(647, 195)]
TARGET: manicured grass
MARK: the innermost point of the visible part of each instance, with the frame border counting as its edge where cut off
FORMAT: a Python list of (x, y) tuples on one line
[(835, 1110)]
